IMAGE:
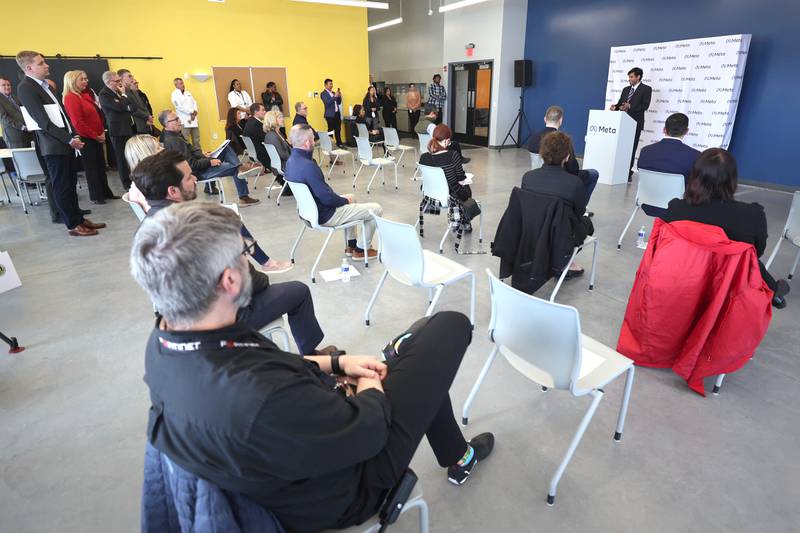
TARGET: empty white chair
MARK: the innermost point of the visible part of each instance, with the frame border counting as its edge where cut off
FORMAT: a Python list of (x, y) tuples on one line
[(276, 327), (656, 189), (250, 150), (391, 141), (424, 139), (28, 171), (536, 161), (363, 133), (401, 253), (136, 208), (366, 160), (589, 240), (791, 232), (309, 215), (327, 149), (543, 342), (434, 186), (373, 525), (277, 170)]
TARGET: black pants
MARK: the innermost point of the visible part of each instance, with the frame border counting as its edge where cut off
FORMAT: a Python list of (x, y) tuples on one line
[(122, 165), (417, 387), (413, 119), (390, 120), (94, 163), (55, 215), (438, 115), (768, 279), (292, 298), (635, 145), (335, 124), (64, 180)]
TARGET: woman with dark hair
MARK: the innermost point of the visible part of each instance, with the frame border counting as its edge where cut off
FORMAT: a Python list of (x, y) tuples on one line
[(271, 98), (389, 104), (360, 113), (371, 105), (709, 199), (237, 97), (234, 129)]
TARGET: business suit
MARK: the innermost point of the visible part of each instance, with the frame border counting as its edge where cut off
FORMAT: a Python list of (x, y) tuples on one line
[(640, 102), (118, 113), (332, 114), (53, 141), (254, 129), (14, 132), (669, 155), (139, 110), (300, 119)]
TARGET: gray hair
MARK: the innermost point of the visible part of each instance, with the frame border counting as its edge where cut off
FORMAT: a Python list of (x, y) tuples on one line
[(107, 75), (172, 261), (162, 117), (300, 133), (139, 147), (298, 105), (554, 113)]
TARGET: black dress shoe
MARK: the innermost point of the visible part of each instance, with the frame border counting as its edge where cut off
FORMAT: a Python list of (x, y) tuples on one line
[(86, 211), (114, 197), (97, 202), (57, 220), (465, 160), (573, 274), (590, 214)]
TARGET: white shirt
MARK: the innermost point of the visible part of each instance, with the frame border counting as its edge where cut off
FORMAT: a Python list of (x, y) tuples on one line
[(184, 104), (430, 128), (239, 99)]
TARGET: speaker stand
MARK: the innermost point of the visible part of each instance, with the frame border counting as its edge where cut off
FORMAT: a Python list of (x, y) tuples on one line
[(519, 118)]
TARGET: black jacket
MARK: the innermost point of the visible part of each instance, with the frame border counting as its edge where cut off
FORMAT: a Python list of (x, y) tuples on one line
[(556, 181), (12, 123), (174, 140), (273, 99), (118, 112), (570, 166), (254, 129), (535, 238), (50, 139), (300, 119), (639, 103)]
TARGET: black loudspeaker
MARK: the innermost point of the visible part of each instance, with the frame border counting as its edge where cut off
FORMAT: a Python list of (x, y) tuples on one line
[(523, 73)]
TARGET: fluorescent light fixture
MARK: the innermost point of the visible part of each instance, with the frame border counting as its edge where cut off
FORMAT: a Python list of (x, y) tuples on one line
[(201, 76), (385, 24), (458, 5), (350, 3)]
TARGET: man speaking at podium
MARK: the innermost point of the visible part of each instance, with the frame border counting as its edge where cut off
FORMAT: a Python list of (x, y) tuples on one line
[(635, 100)]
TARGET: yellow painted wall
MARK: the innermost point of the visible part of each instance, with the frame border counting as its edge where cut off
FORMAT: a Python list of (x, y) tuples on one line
[(312, 41)]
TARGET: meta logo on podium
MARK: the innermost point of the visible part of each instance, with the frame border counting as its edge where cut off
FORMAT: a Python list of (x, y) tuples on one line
[(602, 129)]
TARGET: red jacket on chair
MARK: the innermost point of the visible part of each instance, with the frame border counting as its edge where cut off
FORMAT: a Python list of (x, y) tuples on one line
[(698, 305)]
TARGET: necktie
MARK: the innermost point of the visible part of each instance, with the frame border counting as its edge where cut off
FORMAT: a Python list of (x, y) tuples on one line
[(630, 95)]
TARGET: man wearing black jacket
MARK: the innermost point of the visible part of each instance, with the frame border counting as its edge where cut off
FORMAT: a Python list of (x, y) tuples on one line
[(634, 100), (118, 111), (230, 407)]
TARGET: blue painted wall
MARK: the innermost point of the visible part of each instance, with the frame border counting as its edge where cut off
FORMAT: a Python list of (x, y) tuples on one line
[(569, 43)]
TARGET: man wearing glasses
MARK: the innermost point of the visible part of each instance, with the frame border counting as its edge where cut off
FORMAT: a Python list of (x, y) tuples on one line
[(301, 117), (165, 179), (119, 115)]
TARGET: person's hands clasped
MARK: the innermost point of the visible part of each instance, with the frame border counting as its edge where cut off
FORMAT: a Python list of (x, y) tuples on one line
[(362, 366), (215, 162)]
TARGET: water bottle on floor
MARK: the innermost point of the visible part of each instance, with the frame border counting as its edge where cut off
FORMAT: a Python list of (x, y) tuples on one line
[(640, 242), (345, 270)]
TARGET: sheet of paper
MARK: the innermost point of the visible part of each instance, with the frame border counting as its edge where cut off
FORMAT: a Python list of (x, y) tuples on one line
[(335, 274), (9, 279), (53, 113), (220, 148)]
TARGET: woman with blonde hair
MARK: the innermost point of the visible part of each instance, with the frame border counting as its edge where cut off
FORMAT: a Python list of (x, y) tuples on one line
[(273, 122), (81, 105), (136, 149)]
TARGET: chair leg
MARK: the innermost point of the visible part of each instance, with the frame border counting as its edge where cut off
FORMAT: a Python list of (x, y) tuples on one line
[(20, 187), (625, 229), (221, 189), (472, 300), (278, 200), (775, 250), (319, 255), (623, 408), (377, 168), (357, 173), (594, 264), (439, 289), (444, 237), (296, 242), (272, 184), (375, 296), (423, 514), (474, 392), (564, 274), (480, 224), (353, 159), (396, 187), (332, 164), (794, 266), (597, 395), (718, 384)]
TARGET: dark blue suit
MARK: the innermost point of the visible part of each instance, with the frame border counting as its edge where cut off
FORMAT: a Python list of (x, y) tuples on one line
[(333, 115), (669, 155)]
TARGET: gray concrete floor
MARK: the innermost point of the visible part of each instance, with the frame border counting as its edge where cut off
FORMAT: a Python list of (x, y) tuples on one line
[(73, 406)]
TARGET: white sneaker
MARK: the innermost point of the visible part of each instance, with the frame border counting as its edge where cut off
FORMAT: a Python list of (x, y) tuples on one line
[(276, 267)]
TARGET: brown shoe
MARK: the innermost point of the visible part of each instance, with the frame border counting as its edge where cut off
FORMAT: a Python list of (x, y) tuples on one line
[(329, 350), (91, 225), (360, 255), (246, 201), (82, 231)]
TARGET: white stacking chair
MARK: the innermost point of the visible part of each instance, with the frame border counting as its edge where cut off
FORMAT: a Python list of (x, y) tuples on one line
[(434, 186), (424, 139), (327, 149), (373, 525), (791, 232), (589, 240), (250, 150), (28, 171), (309, 215), (391, 141), (277, 170), (401, 253), (543, 342), (536, 161), (363, 133), (366, 160), (656, 189), (136, 208), (277, 327)]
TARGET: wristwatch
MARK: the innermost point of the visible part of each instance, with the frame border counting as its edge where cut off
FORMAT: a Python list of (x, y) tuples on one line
[(335, 368)]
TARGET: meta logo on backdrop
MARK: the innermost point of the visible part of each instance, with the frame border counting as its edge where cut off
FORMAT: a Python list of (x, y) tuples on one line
[(734, 40), (682, 45), (701, 146), (706, 124), (662, 101), (677, 67), (708, 101), (698, 89), (613, 61), (640, 49), (713, 78), (742, 52), (702, 67), (671, 111), (719, 113), (691, 56), (735, 101), (675, 90), (738, 77), (707, 43), (656, 69), (664, 80), (715, 136), (717, 54), (724, 90), (727, 124), (693, 134), (684, 101), (602, 129), (658, 121), (619, 51), (649, 131), (688, 78), (669, 58), (729, 65), (617, 71), (629, 61), (695, 112), (647, 59)]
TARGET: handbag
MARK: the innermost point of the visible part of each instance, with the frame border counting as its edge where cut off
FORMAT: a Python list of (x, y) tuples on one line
[(470, 208)]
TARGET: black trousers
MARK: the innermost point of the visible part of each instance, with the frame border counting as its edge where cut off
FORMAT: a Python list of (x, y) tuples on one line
[(413, 119), (335, 125), (768, 279), (390, 120), (292, 298), (94, 163), (438, 115), (55, 215), (122, 165), (417, 387), (635, 145), (64, 180)]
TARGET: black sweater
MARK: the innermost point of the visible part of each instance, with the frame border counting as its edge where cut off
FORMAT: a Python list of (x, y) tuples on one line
[(450, 162)]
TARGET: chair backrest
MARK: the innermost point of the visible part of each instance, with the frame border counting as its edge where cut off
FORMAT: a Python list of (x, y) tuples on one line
[(541, 339), (250, 147), (364, 150), (400, 251), (26, 163), (325, 143), (306, 206), (658, 188), (136, 208), (536, 161), (793, 222), (424, 139), (362, 130), (434, 184), (274, 158), (390, 137)]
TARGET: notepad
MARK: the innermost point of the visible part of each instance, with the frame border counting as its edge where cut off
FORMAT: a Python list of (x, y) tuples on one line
[(220, 148)]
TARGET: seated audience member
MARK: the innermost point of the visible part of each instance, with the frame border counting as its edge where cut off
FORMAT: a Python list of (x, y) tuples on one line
[(429, 121), (301, 117), (272, 99), (234, 130), (375, 135), (254, 129), (709, 199), (273, 122), (553, 180), (553, 118), (280, 432), (237, 97), (333, 209), (450, 161), (205, 167), (670, 155), (137, 148)]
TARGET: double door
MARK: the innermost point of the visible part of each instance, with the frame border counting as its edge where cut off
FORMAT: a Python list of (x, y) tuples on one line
[(471, 102)]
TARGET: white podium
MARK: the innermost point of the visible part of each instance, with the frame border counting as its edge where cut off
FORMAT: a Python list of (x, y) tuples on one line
[(609, 142)]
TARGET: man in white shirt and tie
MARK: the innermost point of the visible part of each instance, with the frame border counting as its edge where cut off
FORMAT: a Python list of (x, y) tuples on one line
[(186, 107)]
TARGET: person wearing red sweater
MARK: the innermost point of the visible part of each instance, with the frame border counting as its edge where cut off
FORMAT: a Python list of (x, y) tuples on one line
[(84, 112)]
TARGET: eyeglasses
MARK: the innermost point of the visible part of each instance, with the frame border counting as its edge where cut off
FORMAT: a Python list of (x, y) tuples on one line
[(173, 120), (249, 247)]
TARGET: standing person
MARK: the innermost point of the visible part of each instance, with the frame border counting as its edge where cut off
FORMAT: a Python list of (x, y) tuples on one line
[(413, 103), (239, 98), (15, 133), (333, 107), (389, 108), (371, 105), (271, 98), (634, 100), (186, 107), (85, 116), (142, 116), (57, 143), (437, 96), (146, 101), (117, 109)]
